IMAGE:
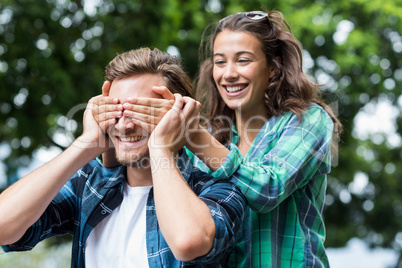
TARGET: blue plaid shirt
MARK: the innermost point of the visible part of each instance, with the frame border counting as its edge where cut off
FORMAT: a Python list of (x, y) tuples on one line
[(94, 192)]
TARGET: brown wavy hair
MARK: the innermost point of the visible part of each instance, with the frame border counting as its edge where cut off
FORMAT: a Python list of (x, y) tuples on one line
[(289, 88)]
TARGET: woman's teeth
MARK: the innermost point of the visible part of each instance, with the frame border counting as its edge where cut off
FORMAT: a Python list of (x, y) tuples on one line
[(234, 89), (131, 139)]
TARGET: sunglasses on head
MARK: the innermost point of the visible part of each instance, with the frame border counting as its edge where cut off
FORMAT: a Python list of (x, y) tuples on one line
[(252, 15)]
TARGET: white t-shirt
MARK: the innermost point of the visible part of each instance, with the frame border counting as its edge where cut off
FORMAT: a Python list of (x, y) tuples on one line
[(120, 239)]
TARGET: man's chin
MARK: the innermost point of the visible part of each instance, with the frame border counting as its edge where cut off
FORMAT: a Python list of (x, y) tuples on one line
[(135, 161)]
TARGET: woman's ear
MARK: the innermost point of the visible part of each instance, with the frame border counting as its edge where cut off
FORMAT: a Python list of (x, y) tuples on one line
[(274, 69), (272, 73)]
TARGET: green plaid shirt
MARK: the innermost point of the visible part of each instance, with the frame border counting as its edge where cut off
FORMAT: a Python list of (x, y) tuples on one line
[(283, 177)]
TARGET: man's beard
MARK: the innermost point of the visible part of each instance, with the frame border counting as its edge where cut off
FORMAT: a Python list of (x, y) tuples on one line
[(140, 161)]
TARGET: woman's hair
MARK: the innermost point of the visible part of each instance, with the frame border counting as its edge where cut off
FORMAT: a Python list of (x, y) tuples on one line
[(145, 60), (289, 88)]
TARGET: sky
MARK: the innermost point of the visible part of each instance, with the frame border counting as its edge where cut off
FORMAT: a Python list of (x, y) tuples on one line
[(356, 254)]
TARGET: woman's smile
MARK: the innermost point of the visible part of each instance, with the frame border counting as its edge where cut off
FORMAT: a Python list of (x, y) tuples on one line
[(240, 70)]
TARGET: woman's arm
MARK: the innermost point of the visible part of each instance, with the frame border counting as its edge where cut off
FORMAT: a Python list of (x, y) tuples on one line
[(207, 148), (284, 158), (199, 141)]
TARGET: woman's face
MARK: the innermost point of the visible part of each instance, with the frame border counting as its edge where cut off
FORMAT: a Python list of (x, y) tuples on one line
[(240, 71)]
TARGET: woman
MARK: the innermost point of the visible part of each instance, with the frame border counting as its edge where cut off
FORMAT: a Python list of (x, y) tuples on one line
[(253, 80), (277, 134)]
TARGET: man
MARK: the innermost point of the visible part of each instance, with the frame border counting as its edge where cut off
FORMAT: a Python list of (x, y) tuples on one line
[(155, 211)]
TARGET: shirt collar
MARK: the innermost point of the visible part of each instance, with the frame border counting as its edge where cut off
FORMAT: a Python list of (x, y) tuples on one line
[(235, 138), (118, 176)]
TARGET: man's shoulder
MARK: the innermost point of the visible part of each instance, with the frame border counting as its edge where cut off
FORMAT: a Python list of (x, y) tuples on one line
[(202, 182), (199, 180), (88, 171), (94, 174)]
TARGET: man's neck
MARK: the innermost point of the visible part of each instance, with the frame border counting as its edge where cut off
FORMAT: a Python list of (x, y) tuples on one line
[(139, 176)]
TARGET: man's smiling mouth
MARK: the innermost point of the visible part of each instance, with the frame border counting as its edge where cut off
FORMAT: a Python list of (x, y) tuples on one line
[(131, 138)]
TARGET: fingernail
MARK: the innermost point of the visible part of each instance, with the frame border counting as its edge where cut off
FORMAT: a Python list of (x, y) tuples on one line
[(127, 114)]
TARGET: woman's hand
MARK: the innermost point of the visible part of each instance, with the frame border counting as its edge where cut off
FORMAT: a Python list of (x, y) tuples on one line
[(92, 135), (172, 131), (106, 110), (148, 112)]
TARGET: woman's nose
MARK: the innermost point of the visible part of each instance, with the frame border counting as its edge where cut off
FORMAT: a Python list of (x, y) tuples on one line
[(230, 72)]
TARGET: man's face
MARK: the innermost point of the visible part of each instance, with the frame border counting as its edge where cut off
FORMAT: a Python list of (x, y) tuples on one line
[(129, 138)]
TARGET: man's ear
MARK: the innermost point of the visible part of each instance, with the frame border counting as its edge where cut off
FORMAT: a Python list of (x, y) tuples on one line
[(106, 88)]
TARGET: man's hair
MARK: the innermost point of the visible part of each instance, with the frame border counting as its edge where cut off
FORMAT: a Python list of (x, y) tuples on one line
[(147, 61)]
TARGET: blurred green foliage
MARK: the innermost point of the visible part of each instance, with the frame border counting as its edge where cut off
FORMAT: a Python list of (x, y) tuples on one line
[(46, 254), (53, 53)]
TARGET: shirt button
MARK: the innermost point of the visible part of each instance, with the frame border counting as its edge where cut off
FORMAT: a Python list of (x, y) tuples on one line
[(103, 212)]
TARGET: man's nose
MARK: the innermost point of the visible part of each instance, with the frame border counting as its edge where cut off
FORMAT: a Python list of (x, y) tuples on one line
[(125, 123)]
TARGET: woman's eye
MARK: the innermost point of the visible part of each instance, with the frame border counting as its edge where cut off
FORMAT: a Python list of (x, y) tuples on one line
[(219, 62), (243, 60)]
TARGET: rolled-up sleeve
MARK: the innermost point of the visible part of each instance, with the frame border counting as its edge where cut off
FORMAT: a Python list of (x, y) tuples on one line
[(287, 160), (227, 205), (57, 219), (285, 155)]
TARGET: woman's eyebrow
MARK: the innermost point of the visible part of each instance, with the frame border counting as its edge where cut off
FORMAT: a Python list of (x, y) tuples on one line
[(245, 52), (218, 54), (237, 53)]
